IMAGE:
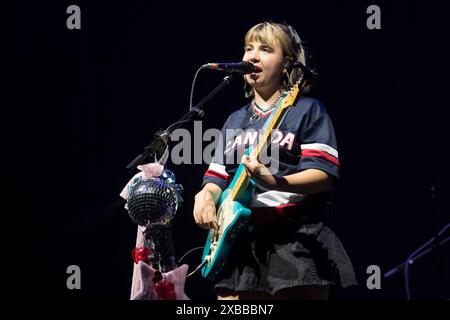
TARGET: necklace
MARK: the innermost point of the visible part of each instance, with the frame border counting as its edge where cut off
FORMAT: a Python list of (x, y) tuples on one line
[(255, 116)]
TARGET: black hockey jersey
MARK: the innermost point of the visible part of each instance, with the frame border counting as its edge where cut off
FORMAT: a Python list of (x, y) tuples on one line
[(304, 140)]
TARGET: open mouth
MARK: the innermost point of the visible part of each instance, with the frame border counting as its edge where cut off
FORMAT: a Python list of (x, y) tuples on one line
[(256, 70)]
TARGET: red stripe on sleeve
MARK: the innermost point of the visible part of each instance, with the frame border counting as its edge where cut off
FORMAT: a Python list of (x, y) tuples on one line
[(320, 154), (214, 174)]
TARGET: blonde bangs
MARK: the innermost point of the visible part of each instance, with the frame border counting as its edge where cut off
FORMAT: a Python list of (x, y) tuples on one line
[(268, 34), (262, 33)]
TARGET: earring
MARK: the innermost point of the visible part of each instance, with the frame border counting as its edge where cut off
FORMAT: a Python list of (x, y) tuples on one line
[(286, 82), (247, 91)]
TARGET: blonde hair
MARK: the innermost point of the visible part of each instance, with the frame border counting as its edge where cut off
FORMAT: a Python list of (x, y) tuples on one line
[(284, 35)]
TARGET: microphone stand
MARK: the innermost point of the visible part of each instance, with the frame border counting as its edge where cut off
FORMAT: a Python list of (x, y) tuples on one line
[(159, 144), (159, 237), (433, 245)]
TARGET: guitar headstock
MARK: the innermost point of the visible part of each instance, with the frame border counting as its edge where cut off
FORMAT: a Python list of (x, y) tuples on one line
[(299, 85), (289, 99)]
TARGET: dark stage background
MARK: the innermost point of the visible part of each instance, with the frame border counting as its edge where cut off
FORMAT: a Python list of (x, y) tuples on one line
[(87, 101)]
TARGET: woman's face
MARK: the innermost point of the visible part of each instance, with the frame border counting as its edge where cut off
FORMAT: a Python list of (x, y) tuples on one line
[(270, 60)]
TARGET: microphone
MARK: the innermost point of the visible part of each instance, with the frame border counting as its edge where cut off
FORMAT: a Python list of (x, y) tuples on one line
[(242, 67)]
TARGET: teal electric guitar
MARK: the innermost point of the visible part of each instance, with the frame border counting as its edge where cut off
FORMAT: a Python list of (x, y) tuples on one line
[(232, 212)]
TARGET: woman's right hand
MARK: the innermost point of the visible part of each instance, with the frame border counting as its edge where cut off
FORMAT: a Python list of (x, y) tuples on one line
[(205, 207)]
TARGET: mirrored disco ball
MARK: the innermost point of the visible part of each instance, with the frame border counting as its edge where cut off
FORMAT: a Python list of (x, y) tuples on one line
[(152, 200)]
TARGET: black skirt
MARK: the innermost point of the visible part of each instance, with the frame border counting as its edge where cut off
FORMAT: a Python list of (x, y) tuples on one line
[(285, 253)]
